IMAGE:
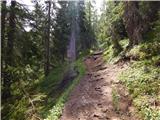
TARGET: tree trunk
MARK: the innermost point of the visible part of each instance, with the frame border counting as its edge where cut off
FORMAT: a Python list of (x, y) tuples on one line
[(3, 40), (150, 14), (115, 37), (133, 23), (9, 58), (3, 33), (47, 50)]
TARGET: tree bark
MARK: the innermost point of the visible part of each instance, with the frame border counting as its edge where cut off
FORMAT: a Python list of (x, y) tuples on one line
[(115, 37), (150, 14), (133, 23)]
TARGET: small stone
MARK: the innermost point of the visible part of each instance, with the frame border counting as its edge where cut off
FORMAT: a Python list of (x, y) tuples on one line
[(99, 104), (104, 110), (95, 115)]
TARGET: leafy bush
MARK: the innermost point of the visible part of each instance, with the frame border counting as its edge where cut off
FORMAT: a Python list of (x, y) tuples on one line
[(21, 88), (108, 54), (145, 50), (143, 82)]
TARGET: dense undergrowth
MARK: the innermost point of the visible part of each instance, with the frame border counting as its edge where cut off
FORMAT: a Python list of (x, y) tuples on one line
[(43, 99), (28, 94), (34, 97), (142, 80), (56, 110), (109, 56), (142, 77)]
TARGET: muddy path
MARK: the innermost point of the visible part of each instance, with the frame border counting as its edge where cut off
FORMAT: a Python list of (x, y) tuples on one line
[(92, 98)]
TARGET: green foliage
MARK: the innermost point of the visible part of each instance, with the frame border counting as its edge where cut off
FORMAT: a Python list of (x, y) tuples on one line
[(87, 23), (48, 86), (54, 78), (18, 108), (43, 92), (145, 50), (24, 76), (21, 89), (115, 99), (142, 78), (150, 47), (56, 110), (147, 111), (111, 27), (143, 82), (153, 34), (108, 54), (111, 20), (62, 29)]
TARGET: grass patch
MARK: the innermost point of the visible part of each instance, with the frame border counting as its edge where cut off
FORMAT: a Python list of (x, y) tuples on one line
[(108, 54), (145, 51), (53, 79), (115, 99), (56, 111), (142, 80)]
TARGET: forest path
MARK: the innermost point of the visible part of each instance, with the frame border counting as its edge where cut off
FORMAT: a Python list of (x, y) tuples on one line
[(92, 98)]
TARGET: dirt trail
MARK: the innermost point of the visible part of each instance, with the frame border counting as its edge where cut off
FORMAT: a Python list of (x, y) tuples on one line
[(92, 98)]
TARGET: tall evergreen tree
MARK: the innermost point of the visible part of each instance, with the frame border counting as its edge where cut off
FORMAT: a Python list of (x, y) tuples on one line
[(10, 44), (3, 23), (62, 29), (47, 47)]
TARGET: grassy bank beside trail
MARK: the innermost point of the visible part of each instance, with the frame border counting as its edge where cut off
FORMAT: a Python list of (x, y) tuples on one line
[(109, 55), (55, 112), (142, 78)]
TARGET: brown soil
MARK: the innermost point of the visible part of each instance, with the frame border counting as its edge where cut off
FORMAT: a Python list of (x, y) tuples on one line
[(92, 97)]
